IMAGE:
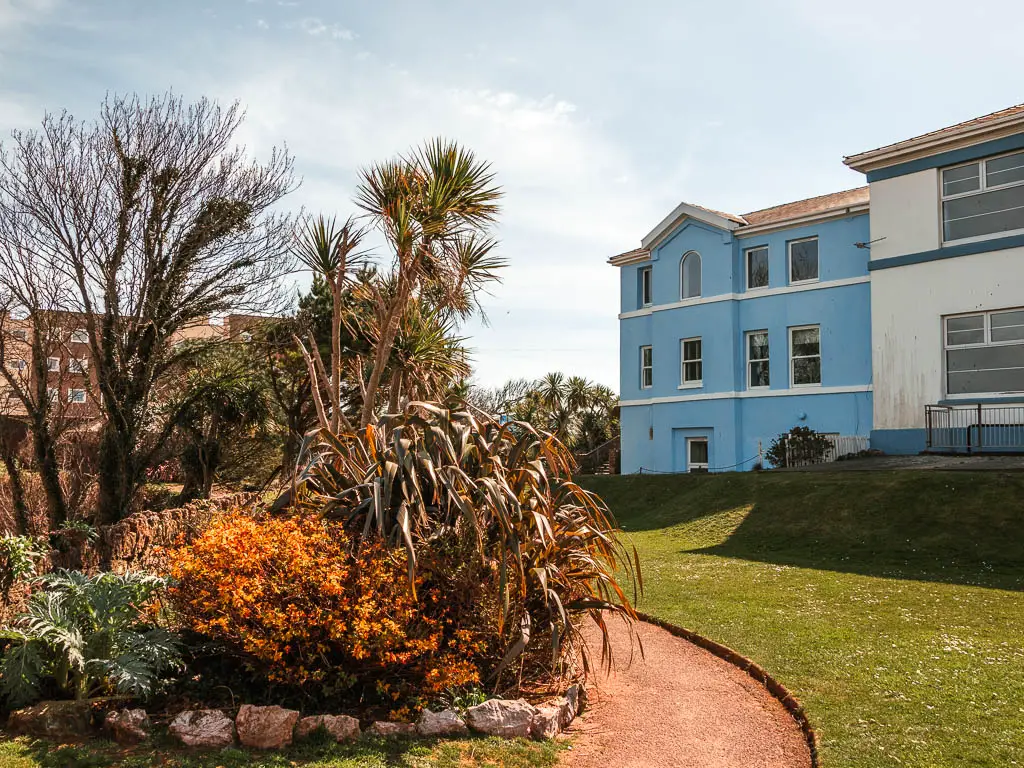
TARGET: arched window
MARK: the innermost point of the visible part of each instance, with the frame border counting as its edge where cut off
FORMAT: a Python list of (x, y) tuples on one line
[(689, 275)]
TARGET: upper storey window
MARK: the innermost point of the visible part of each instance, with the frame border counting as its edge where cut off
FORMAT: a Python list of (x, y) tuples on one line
[(689, 276), (983, 199), (643, 287), (757, 267), (803, 260)]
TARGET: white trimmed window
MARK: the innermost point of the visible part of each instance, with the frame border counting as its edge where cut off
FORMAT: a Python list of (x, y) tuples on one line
[(20, 334), (758, 374), (696, 453), (983, 199), (689, 276), (757, 267), (53, 364), (19, 365), (691, 354), (805, 356), (644, 287), (76, 395), (985, 353), (646, 367), (803, 260), (77, 365), (53, 393), (80, 336)]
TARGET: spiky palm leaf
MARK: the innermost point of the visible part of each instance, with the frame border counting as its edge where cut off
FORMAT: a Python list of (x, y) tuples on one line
[(506, 489)]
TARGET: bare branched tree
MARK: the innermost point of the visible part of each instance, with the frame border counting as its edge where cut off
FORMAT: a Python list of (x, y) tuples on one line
[(156, 220)]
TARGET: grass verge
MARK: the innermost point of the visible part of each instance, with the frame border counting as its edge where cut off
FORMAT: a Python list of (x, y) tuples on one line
[(366, 753), (890, 603)]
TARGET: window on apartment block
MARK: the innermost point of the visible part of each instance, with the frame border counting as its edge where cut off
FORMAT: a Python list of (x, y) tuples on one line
[(646, 367), (19, 365), (805, 356), (52, 393), (757, 268), (985, 353), (644, 289), (53, 364), (757, 360), (76, 395), (20, 334), (803, 260), (80, 336), (696, 454), (76, 365), (983, 199), (689, 276), (692, 374)]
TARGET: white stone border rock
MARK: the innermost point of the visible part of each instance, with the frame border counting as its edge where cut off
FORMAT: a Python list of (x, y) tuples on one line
[(274, 727)]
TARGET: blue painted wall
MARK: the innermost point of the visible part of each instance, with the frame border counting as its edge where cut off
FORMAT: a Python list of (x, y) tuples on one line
[(653, 433)]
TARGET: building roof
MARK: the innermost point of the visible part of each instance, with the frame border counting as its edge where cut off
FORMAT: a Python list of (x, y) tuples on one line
[(992, 125), (766, 218), (809, 207)]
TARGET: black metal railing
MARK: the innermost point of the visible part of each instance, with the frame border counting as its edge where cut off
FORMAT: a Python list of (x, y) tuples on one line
[(974, 428)]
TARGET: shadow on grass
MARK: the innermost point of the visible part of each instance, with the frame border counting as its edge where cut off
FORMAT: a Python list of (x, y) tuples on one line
[(949, 527)]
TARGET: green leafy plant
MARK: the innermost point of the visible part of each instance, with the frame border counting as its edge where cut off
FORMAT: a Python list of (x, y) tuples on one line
[(502, 493), (87, 635), (799, 446), (18, 555)]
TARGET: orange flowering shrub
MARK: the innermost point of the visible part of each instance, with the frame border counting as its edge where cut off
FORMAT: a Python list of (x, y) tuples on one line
[(288, 597)]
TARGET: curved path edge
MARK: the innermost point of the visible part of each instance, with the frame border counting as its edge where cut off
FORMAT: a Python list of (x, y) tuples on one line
[(753, 669)]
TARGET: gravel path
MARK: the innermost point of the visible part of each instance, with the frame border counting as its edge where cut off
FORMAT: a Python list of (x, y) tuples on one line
[(681, 706)]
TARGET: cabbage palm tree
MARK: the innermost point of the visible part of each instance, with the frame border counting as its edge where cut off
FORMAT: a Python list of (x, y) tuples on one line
[(435, 207)]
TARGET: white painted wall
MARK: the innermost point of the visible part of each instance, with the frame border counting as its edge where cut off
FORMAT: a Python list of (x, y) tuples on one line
[(905, 215), (907, 306)]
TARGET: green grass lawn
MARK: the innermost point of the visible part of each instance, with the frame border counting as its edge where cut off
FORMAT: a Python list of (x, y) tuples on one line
[(461, 753), (890, 603)]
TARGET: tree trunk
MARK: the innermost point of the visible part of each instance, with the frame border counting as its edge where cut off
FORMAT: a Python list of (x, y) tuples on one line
[(383, 352), (49, 473), (21, 515), (395, 401), (118, 475)]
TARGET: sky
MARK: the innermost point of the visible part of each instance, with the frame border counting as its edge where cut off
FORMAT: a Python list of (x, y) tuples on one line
[(598, 117)]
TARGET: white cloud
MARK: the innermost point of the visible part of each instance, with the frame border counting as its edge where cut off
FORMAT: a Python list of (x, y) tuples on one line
[(317, 28), (572, 196), (14, 13)]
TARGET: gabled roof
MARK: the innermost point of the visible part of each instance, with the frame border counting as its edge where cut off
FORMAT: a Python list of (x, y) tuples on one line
[(991, 126), (809, 207), (777, 217)]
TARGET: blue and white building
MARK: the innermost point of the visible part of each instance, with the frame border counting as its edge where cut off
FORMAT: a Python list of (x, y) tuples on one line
[(864, 313)]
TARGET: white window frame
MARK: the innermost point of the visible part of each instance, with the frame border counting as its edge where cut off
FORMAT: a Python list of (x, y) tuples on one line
[(644, 368), (789, 261), (76, 395), (987, 328), (684, 383), (80, 336), (20, 334), (746, 355), (793, 357), (78, 364), (19, 364), (53, 394), (982, 189), (700, 267), (746, 268), (53, 365), (646, 287), (692, 465)]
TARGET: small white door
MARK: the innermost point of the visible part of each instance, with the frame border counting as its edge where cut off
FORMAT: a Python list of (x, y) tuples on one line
[(696, 454)]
